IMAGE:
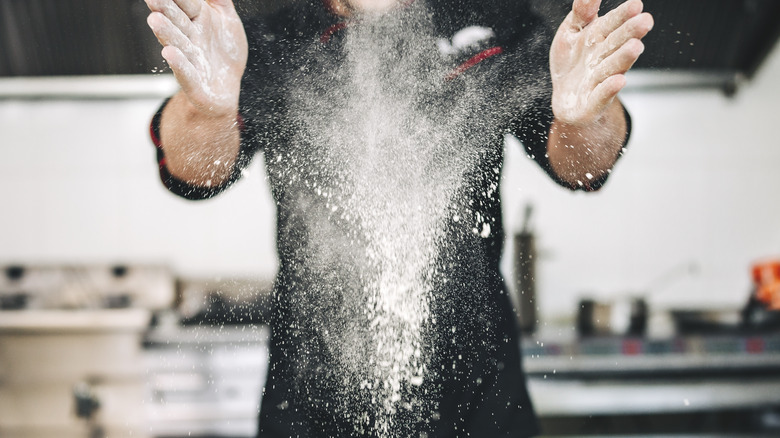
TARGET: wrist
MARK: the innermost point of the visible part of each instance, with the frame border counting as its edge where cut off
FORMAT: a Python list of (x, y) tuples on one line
[(609, 119), (209, 113), (583, 152)]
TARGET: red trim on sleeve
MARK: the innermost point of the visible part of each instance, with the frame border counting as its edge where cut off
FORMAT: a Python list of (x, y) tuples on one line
[(153, 135), (240, 121), (474, 60)]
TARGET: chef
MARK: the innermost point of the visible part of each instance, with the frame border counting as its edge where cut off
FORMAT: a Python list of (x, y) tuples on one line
[(299, 85)]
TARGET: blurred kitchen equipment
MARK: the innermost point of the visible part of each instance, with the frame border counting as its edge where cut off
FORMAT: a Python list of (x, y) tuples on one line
[(761, 314), (95, 286), (224, 301), (71, 362), (762, 311), (206, 380), (87, 405), (627, 317), (766, 279), (706, 321), (524, 273), (45, 354), (207, 359), (14, 296)]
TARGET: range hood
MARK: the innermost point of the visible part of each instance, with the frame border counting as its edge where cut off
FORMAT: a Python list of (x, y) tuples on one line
[(694, 43)]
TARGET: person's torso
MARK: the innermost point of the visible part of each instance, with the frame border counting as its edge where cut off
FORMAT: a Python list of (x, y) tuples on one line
[(383, 144)]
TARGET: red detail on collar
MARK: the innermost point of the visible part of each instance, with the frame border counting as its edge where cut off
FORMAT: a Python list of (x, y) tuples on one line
[(474, 60), (326, 36)]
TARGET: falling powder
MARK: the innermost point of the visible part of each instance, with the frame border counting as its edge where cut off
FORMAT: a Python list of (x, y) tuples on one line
[(394, 176), (381, 162)]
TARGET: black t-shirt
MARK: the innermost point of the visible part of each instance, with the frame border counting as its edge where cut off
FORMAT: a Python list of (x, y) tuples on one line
[(469, 72)]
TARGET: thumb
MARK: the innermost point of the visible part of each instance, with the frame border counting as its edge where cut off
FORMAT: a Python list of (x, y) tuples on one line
[(583, 12)]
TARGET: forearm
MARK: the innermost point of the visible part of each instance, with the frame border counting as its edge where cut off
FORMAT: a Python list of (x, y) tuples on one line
[(582, 153), (199, 149)]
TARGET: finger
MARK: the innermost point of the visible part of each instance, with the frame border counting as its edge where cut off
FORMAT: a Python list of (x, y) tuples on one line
[(620, 61), (174, 13), (186, 74), (615, 18), (168, 34), (583, 12), (607, 90), (637, 27), (190, 7)]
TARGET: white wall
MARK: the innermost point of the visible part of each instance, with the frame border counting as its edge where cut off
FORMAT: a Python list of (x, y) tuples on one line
[(698, 188), (78, 183)]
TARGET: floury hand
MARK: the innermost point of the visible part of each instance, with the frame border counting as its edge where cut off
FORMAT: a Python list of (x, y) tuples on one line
[(590, 55), (205, 45)]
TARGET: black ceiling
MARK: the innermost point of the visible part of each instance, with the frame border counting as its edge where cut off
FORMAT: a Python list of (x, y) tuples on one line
[(75, 37), (96, 37), (699, 35)]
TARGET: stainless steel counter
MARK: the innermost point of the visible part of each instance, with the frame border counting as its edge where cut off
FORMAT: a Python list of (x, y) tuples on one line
[(206, 381)]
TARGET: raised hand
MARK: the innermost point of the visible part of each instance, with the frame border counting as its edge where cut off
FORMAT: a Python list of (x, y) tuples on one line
[(590, 55), (205, 45)]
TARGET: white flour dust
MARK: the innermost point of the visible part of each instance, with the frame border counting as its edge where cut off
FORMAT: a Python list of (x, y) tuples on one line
[(395, 169), (378, 159)]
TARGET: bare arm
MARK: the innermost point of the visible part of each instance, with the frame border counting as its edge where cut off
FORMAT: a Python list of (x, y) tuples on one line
[(199, 149), (588, 59), (581, 153), (205, 46)]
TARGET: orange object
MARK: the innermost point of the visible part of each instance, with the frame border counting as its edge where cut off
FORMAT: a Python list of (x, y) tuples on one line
[(766, 277)]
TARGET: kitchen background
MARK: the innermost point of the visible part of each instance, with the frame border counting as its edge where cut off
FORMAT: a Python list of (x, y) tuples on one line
[(689, 209)]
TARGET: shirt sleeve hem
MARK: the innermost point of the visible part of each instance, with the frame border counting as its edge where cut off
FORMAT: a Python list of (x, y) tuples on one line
[(176, 185)]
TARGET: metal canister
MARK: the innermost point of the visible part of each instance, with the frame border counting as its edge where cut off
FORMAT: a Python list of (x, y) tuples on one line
[(524, 276)]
